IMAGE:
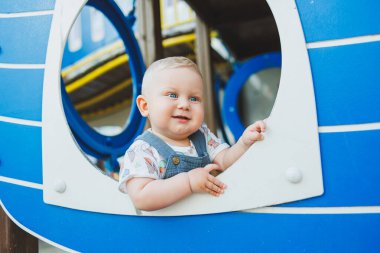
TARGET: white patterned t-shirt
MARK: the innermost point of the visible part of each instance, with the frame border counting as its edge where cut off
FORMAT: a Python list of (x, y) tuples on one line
[(143, 160)]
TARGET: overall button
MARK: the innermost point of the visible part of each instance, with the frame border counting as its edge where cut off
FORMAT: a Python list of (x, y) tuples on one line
[(175, 160)]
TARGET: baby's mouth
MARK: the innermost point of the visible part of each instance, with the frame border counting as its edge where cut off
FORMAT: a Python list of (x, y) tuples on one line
[(180, 117)]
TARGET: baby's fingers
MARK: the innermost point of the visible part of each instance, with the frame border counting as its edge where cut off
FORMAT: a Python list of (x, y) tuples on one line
[(216, 182), (259, 137), (214, 186), (213, 190), (260, 126), (213, 193), (255, 136)]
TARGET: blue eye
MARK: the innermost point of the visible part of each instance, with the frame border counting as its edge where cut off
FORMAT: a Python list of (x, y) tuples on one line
[(172, 95), (194, 99)]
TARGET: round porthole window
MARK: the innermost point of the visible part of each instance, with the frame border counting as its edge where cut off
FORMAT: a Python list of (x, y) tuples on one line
[(102, 71), (251, 92)]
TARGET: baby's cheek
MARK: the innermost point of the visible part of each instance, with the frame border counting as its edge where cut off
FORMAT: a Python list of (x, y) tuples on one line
[(199, 114)]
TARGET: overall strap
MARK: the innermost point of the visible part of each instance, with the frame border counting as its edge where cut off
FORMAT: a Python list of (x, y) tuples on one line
[(164, 149), (199, 142)]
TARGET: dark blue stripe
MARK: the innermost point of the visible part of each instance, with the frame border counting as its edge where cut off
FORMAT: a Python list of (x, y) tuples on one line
[(14, 6), (347, 83), (337, 19), (21, 152), (351, 170), (24, 40), (228, 232), (21, 93)]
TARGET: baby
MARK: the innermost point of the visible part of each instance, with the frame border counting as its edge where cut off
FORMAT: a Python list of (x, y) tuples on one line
[(173, 159)]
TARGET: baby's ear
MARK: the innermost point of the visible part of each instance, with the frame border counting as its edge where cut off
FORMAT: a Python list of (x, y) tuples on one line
[(142, 104)]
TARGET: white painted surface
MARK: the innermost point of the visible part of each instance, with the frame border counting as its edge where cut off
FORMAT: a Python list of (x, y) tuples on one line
[(21, 121), (343, 42), (350, 128), (20, 182), (86, 187), (257, 179), (21, 66), (26, 14)]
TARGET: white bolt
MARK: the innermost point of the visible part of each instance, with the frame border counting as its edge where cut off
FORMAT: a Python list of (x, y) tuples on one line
[(60, 186), (293, 175)]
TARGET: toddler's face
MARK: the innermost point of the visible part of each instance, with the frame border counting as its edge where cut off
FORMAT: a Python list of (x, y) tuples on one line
[(175, 102)]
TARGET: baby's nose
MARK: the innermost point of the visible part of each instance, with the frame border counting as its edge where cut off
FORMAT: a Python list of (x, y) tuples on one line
[(183, 103)]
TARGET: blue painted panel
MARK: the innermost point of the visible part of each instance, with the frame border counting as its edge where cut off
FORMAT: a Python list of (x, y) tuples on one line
[(14, 6), (24, 40), (351, 170), (21, 93), (326, 19), (21, 152), (346, 83), (228, 232)]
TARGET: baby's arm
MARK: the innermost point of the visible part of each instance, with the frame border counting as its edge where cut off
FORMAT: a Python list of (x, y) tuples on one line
[(251, 134), (153, 194)]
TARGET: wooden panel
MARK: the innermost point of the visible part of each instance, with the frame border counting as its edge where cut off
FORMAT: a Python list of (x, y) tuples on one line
[(13, 239)]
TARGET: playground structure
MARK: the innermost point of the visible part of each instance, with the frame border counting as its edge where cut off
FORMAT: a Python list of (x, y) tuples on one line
[(318, 102)]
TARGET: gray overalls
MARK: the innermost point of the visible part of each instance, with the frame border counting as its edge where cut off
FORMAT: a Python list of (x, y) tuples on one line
[(176, 162)]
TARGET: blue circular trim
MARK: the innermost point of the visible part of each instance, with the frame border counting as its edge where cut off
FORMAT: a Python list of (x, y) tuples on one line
[(237, 81), (106, 146)]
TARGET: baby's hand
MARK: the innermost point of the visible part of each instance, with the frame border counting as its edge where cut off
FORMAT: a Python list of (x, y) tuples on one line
[(253, 133), (202, 181)]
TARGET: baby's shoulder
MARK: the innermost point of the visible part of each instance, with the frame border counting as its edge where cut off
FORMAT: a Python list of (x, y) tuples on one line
[(142, 147), (204, 129)]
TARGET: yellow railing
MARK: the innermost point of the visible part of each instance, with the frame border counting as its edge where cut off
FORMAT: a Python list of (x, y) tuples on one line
[(109, 110), (186, 38), (104, 95), (108, 49), (96, 73)]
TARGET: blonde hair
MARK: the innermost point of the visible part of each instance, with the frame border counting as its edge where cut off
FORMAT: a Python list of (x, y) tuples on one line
[(168, 63)]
